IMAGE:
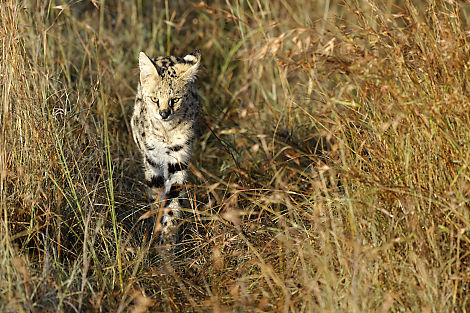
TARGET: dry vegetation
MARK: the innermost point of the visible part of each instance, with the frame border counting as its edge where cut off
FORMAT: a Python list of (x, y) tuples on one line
[(332, 174)]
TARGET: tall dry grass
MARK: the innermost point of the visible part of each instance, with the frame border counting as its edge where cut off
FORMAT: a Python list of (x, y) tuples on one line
[(332, 173)]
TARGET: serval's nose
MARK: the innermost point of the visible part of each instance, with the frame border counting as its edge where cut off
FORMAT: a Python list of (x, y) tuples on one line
[(165, 114)]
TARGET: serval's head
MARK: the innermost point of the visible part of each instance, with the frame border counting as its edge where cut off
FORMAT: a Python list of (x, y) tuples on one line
[(166, 82)]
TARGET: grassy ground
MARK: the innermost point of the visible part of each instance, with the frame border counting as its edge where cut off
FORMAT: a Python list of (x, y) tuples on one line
[(332, 173)]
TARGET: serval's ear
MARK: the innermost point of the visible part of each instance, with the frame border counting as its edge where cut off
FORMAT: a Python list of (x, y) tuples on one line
[(148, 71), (187, 69)]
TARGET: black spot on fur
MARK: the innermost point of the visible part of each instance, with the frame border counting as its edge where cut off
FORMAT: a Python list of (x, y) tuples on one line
[(156, 181), (176, 148), (176, 167), (173, 193), (150, 148), (161, 71), (143, 134), (170, 213), (151, 162)]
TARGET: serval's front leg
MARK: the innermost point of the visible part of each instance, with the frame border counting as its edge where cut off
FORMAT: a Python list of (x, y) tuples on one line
[(172, 214), (155, 179)]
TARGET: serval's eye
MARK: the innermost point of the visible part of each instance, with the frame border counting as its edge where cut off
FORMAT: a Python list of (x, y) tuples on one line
[(154, 99), (174, 101)]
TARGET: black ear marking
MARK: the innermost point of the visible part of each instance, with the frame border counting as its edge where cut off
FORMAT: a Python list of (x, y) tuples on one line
[(159, 71), (158, 68)]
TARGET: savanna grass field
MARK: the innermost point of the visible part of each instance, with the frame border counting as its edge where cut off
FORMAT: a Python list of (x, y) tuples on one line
[(332, 173)]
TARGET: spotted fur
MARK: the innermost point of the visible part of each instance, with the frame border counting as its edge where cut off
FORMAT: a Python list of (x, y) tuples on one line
[(163, 127)]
